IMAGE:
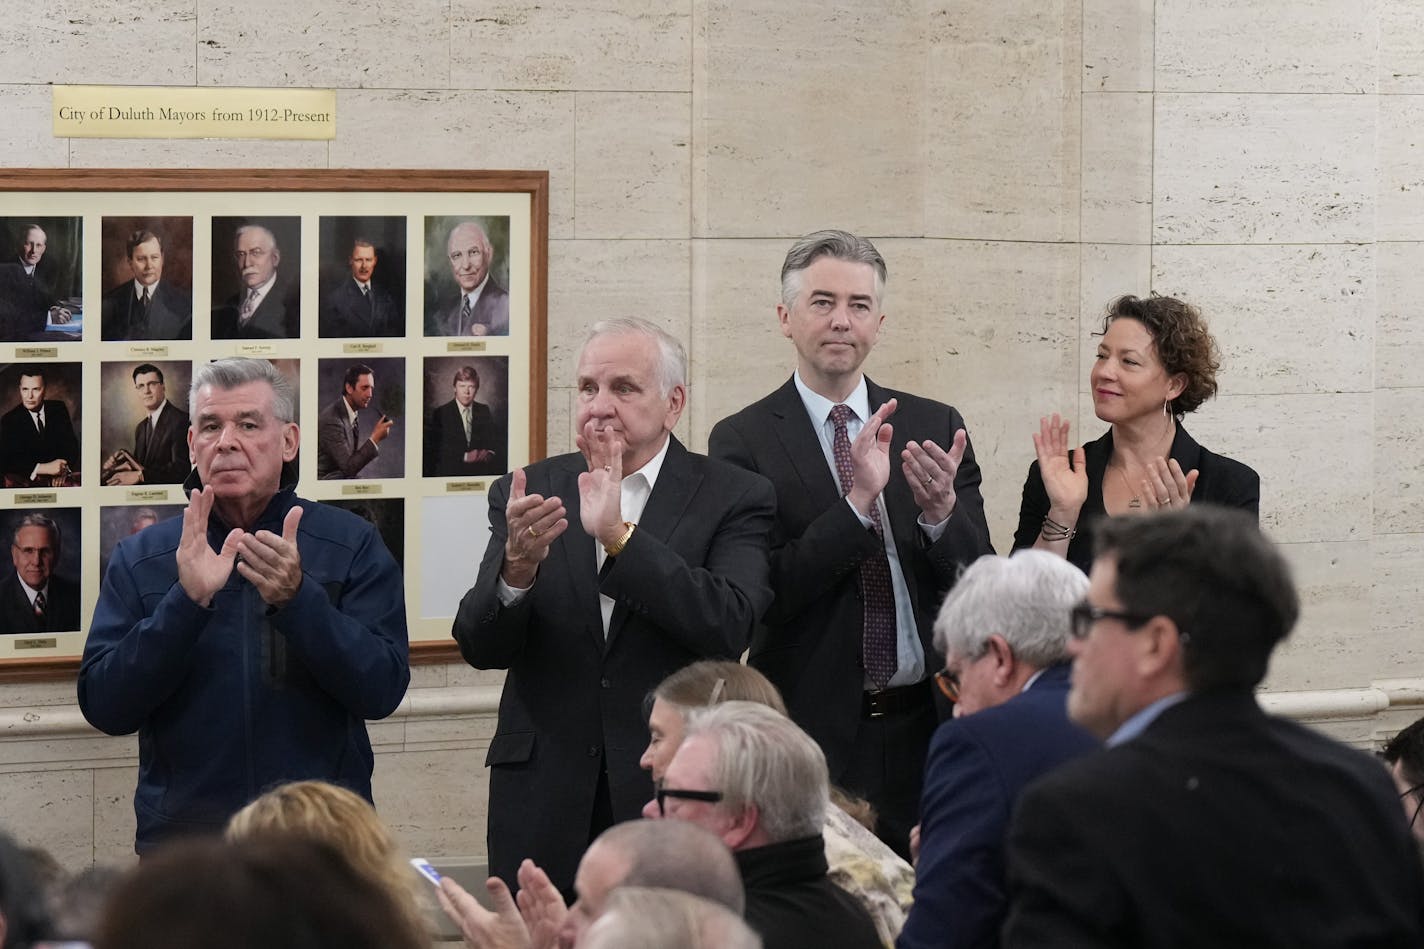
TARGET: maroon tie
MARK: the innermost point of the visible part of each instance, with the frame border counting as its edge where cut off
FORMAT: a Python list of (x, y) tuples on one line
[(878, 640), (40, 607)]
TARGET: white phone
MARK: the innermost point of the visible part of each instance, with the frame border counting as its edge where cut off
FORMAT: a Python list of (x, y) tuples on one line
[(423, 867)]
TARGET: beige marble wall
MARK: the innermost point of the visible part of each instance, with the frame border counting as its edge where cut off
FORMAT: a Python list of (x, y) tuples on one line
[(1019, 163)]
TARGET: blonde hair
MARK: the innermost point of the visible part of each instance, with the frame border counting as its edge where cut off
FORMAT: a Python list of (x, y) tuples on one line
[(344, 821), (713, 681)]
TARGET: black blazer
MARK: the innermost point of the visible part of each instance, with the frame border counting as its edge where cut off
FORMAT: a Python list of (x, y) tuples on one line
[(689, 585), (22, 447), (809, 644), (170, 313), (1217, 826), (24, 302), (345, 312), (445, 442), (164, 452), (278, 316), (1222, 480), (61, 607)]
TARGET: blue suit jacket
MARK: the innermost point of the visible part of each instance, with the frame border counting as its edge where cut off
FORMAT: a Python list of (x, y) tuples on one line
[(977, 767)]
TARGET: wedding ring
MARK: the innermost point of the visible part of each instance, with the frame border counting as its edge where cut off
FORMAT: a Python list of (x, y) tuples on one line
[(607, 467), (532, 532), (929, 482), (1165, 502)]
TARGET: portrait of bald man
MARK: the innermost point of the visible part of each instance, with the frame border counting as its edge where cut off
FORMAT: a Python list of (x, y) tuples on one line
[(256, 274), (472, 301)]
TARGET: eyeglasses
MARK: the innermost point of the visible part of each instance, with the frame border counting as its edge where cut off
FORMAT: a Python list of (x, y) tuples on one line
[(948, 683), (1084, 615), (662, 794), (1417, 807)]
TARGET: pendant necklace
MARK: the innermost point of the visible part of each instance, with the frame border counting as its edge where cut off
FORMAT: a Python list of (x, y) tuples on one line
[(1134, 501)]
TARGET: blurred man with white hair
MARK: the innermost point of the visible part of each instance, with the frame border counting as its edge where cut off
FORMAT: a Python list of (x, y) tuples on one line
[(755, 779), (1004, 632)]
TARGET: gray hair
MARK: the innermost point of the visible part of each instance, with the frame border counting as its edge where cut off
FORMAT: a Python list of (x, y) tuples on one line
[(1025, 598), (764, 758), (677, 855), (842, 245), (234, 371), (672, 358), (653, 918), (37, 520), (272, 238)]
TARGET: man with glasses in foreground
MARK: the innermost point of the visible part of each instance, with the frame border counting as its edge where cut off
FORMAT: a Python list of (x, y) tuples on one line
[(1206, 822), (751, 776), (1003, 631), (1404, 753)]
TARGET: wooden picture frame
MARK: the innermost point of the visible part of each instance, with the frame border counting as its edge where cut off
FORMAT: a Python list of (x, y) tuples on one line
[(82, 314)]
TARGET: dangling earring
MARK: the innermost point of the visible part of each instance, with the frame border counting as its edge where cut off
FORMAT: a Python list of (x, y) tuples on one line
[(1165, 401)]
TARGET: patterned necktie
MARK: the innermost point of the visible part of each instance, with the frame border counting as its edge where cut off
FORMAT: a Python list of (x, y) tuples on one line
[(248, 306), (466, 312), (878, 649), (465, 420), (355, 435), (40, 606)]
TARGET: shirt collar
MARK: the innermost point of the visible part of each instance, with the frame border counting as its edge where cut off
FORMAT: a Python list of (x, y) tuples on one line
[(153, 416), (474, 294), (1144, 717), (152, 289), (650, 469), (818, 407), (352, 413)]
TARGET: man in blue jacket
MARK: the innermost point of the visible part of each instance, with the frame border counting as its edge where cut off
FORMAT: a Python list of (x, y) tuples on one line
[(248, 641), (1004, 632)]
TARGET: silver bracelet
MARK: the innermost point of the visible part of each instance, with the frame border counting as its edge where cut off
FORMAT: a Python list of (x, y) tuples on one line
[(1052, 530)]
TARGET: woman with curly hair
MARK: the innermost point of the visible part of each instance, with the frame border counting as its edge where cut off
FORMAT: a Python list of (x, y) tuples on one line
[(1156, 362), (345, 822)]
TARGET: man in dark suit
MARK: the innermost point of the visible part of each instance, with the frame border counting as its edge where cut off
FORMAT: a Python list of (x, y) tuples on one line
[(1004, 632), (38, 445), (360, 306), (267, 307), (147, 307), (605, 571), (160, 454), (341, 451), (482, 309), (1206, 822), (27, 302), (862, 554), (34, 599), (462, 438)]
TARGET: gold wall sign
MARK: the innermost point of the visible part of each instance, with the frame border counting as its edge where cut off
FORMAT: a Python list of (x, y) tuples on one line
[(193, 112)]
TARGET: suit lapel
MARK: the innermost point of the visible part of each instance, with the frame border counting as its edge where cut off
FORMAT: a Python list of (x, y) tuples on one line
[(576, 547), (677, 483), (802, 445)]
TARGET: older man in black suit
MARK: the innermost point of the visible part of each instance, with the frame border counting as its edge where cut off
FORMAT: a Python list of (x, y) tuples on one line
[(482, 308), (268, 306), (160, 454), (147, 307), (27, 301), (38, 444), (606, 570), (1206, 822), (360, 306), (864, 550), (34, 599)]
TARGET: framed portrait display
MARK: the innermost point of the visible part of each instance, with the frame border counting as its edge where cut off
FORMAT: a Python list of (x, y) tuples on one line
[(408, 307)]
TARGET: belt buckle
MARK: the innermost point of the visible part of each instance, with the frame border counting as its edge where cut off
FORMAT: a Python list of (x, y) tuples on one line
[(872, 699)]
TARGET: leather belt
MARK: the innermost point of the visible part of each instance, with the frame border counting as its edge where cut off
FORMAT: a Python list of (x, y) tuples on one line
[(877, 703)]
